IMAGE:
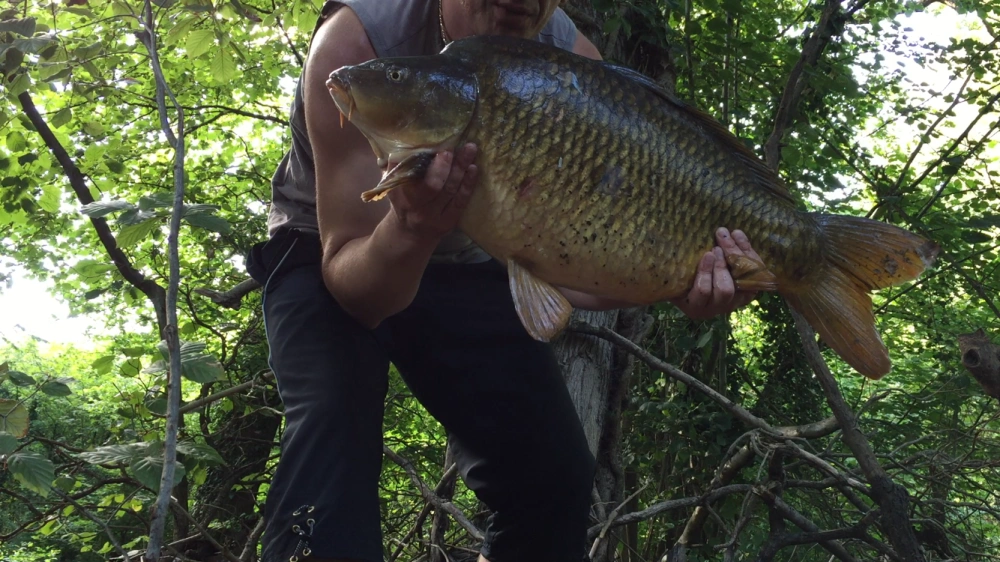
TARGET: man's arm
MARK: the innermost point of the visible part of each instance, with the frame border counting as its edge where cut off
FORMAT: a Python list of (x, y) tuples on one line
[(374, 254)]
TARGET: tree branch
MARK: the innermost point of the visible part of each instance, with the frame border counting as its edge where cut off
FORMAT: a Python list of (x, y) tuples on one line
[(797, 79), (430, 496), (78, 183)]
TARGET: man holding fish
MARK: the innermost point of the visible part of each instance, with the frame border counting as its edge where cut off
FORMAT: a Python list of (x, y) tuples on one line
[(352, 286)]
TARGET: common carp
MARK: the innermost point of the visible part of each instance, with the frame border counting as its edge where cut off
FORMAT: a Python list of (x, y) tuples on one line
[(594, 178)]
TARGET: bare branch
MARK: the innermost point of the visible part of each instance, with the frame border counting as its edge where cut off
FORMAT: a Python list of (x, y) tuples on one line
[(430, 496)]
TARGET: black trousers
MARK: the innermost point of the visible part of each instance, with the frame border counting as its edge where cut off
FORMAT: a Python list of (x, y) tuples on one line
[(464, 354)]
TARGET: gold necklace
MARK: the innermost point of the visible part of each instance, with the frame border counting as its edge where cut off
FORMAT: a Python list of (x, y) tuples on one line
[(444, 33)]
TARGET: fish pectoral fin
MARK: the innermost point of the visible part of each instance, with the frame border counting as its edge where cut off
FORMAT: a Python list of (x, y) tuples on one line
[(543, 310), (751, 274), (410, 169)]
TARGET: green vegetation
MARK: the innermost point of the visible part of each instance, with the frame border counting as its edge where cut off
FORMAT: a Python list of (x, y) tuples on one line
[(859, 106)]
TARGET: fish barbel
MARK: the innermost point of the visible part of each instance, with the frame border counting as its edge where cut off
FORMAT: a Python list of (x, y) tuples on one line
[(594, 178)]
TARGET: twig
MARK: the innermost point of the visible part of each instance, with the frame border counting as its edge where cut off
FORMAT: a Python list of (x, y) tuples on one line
[(251, 547), (195, 404), (104, 526), (800, 521), (405, 541), (611, 519), (734, 409), (232, 297), (891, 497), (204, 532), (656, 509), (158, 525), (430, 496)]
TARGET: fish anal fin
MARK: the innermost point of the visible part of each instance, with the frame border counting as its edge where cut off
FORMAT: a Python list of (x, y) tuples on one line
[(840, 311), (543, 310), (751, 274)]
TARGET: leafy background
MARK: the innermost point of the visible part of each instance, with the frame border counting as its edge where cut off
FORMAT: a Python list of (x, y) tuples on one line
[(888, 123)]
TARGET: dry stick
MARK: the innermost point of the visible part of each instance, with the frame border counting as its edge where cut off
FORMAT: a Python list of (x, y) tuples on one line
[(430, 496), (158, 525), (734, 409), (891, 497), (104, 526), (195, 404), (664, 506), (610, 519), (204, 532), (251, 547), (405, 541)]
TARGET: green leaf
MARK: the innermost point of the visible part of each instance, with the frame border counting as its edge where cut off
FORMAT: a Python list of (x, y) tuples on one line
[(104, 364), (209, 222), (19, 86), (32, 470), (56, 388), (20, 379), (148, 469), (24, 27), (13, 418), (199, 209), (132, 234), (92, 271), (49, 201), (93, 128), (65, 483), (199, 42), (134, 351), (99, 209), (223, 67), (159, 200), (16, 141), (196, 365), (975, 237), (201, 451), (111, 454), (179, 31), (33, 45), (7, 443), (130, 368)]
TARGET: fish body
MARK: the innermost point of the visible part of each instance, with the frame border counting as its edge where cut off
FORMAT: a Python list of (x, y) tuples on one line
[(594, 178)]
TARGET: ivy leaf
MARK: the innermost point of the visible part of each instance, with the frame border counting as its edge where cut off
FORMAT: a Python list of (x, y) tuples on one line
[(33, 471), (148, 469), (13, 418), (99, 209), (209, 222), (24, 27), (56, 388), (223, 67), (199, 42), (7, 443), (134, 233)]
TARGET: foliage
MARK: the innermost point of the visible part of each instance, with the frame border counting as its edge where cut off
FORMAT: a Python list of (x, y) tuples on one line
[(85, 188)]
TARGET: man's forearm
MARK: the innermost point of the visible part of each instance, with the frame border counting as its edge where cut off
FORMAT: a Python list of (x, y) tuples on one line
[(377, 276)]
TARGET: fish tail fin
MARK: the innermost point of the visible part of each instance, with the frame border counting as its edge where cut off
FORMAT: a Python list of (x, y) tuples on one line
[(861, 255)]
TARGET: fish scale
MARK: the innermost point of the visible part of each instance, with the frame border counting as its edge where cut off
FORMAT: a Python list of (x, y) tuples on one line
[(594, 178)]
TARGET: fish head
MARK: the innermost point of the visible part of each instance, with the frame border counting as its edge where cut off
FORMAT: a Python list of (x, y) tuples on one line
[(407, 105)]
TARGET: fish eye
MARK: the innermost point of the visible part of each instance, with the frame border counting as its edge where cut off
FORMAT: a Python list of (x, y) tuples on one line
[(396, 74)]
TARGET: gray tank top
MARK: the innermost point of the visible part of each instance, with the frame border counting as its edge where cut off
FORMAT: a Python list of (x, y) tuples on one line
[(395, 28)]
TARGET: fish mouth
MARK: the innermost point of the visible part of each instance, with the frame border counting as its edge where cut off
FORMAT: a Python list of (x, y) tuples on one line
[(340, 89)]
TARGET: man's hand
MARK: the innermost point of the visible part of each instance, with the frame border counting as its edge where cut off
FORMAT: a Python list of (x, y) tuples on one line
[(431, 208), (714, 291)]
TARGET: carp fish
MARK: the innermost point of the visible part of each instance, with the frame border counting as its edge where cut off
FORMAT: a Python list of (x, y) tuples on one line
[(595, 178)]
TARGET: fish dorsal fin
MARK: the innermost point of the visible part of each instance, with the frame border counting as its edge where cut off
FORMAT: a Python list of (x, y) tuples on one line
[(764, 176), (543, 310)]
